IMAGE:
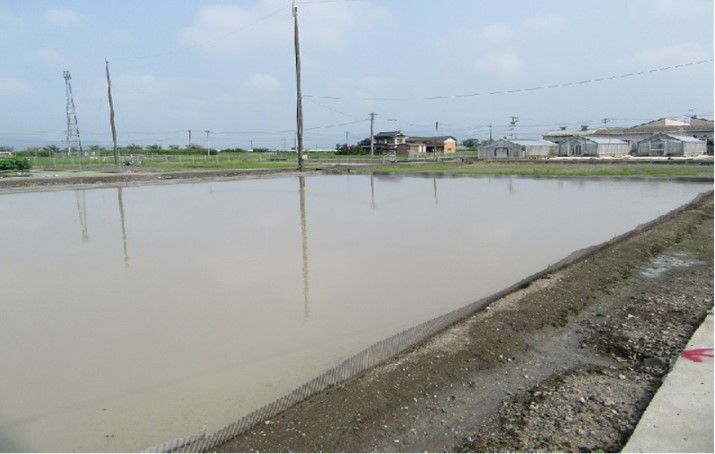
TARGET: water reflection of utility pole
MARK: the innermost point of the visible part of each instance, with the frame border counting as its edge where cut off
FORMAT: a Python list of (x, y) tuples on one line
[(120, 200), (434, 182), (304, 239), (372, 190), (82, 210)]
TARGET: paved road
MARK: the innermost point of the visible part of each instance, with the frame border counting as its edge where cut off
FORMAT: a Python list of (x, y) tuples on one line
[(680, 416)]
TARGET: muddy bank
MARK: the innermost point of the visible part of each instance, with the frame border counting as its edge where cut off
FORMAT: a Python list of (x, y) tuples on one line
[(568, 363), (80, 180)]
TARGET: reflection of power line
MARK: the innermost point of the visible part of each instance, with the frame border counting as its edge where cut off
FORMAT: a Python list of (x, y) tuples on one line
[(82, 210)]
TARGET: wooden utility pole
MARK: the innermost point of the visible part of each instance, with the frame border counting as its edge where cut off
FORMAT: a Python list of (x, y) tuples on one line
[(372, 134), (299, 97), (436, 129), (111, 115)]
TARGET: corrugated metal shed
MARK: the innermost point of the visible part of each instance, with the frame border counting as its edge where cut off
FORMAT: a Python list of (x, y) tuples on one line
[(671, 145)]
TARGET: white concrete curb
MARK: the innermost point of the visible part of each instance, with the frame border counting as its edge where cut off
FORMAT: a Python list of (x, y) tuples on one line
[(680, 416)]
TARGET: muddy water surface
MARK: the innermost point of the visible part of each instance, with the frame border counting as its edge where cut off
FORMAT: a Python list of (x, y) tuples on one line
[(136, 315)]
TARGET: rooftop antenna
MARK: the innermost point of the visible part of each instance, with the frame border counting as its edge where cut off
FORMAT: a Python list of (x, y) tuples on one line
[(73, 142)]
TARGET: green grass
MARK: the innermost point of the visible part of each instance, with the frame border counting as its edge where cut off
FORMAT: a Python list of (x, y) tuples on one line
[(283, 160), (173, 162), (547, 169)]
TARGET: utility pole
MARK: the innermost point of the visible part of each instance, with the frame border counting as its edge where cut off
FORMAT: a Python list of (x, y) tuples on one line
[(436, 128), (189, 145), (512, 124), (372, 134), (299, 96), (346, 137), (208, 144), (490, 133), (72, 128), (111, 116)]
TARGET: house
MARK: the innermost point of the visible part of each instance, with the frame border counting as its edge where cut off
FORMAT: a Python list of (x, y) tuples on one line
[(396, 141), (594, 147), (439, 144), (512, 148), (384, 142), (671, 145)]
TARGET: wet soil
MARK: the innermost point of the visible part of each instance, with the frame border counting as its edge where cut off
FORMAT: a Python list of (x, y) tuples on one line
[(568, 363), (80, 180)]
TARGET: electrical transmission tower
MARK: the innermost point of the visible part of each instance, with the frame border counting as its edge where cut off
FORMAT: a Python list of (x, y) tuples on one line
[(512, 125), (73, 143)]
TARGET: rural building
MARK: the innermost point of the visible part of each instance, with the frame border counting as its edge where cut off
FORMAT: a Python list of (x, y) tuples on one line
[(559, 135), (693, 127), (396, 141), (385, 142), (512, 148), (671, 145), (594, 147), (439, 144)]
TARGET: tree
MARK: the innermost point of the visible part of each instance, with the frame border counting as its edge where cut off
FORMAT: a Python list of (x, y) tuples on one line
[(343, 149), (470, 143), (133, 148)]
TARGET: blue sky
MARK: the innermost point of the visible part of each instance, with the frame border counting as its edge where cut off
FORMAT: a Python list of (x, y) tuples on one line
[(228, 67)]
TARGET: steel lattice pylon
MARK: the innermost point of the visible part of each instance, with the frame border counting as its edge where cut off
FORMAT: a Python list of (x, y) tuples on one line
[(74, 145)]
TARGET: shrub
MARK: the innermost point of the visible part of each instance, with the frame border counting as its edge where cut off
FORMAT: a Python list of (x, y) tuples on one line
[(15, 163)]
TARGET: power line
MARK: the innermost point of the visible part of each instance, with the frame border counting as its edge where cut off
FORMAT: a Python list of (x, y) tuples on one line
[(521, 90)]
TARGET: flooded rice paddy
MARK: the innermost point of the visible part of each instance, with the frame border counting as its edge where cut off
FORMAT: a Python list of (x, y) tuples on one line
[(131, 316)]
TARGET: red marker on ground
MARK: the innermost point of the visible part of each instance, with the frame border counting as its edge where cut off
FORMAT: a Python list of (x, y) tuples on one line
[(697, 354)]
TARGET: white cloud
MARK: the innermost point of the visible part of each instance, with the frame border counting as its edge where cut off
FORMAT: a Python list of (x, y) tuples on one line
[(13, 86), (48, 56), (545, 23), (331, 24), (263, 82), (8, 21), (496, 33), (501, 64), (140, 89), (233, 29), (670, 9), (669, 55), (62, 18)]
